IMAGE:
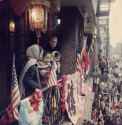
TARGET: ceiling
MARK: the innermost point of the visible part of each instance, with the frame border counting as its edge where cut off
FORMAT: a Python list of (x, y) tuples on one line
[(84, 4), (81, 4), (73, 2)]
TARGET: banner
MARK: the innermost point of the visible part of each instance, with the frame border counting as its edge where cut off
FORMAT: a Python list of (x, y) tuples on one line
[(74, 101), (76, 104)]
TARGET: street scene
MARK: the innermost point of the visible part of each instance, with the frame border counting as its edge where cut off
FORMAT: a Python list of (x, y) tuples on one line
[(61, 62)]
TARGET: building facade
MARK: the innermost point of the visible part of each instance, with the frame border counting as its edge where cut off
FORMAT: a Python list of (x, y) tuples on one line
[(103, 11)]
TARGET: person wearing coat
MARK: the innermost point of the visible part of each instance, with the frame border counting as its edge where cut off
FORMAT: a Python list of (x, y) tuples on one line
[(30, 78)]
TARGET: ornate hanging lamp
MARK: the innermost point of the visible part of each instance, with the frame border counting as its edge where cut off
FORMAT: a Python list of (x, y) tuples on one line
[(38, 16)]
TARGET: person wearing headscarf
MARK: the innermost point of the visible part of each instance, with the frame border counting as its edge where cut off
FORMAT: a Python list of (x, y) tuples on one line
[(30, 77)]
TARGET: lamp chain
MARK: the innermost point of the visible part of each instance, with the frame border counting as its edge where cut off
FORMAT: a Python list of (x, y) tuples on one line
[(38, 34)]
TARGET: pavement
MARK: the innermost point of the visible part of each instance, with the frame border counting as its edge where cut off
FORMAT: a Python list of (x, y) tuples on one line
[(88, 101)]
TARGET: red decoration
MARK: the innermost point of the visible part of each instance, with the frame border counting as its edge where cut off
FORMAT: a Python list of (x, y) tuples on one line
[(61, 84), (35, 100), (85, 60)]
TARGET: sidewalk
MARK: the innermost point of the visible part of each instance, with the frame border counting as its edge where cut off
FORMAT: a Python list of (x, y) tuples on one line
[(88, 101)]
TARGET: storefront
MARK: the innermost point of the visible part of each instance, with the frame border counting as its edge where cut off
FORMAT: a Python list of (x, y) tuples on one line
[(17, 33), (37, 21)]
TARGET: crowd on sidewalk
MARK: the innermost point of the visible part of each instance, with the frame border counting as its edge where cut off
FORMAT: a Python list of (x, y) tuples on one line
[(107, 86)]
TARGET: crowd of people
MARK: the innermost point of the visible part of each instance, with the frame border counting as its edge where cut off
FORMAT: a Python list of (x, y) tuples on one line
[(107, 85), (107, 106)]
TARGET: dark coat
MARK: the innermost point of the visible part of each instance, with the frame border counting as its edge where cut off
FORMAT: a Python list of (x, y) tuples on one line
[(30, 80)]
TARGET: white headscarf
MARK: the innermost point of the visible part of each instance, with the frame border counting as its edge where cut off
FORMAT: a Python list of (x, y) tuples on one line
[(34, 51), (34, 54)]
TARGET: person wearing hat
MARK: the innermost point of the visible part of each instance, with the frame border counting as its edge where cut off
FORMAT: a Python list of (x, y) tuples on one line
[(52, 53), (52, 57), (52, 44)]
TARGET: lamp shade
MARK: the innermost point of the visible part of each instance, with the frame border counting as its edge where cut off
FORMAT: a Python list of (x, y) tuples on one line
[(38, 12), (37, 17)]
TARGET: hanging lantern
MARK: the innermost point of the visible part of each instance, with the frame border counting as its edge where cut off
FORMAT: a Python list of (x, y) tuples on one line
[(36, 17), (38, 12)]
